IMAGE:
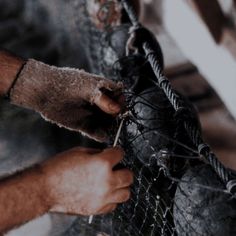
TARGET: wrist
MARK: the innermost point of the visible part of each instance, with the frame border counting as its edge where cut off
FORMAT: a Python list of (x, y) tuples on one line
[(22, 193), (48, 185), (44, 187), (38, 179), (10, 67), (29, 89)]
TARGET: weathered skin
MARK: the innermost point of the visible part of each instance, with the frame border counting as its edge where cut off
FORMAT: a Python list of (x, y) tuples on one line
[(31, 140)]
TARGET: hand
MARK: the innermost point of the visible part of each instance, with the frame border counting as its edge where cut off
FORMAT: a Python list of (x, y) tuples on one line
[(70, 98), (82, 181)]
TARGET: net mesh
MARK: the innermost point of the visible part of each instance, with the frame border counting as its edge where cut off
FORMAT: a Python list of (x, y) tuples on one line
[(174, 191), (168, 195)]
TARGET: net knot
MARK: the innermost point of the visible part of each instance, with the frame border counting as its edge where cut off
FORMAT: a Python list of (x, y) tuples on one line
[(163, 158), (231, 186), (203, 149)]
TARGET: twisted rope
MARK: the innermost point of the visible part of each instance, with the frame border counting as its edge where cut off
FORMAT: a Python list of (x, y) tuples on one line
[(161, 81)]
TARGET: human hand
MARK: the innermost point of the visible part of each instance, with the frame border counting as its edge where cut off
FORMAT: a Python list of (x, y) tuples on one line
[(82, 181), (71, 98)]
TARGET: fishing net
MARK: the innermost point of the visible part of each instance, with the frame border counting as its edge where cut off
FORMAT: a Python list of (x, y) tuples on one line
[(180, 188), (175, 192)]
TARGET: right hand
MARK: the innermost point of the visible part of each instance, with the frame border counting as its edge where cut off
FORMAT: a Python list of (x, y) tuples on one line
[(82, 181)]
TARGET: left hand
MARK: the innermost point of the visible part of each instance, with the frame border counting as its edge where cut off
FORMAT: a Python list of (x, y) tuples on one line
[(71, 98)]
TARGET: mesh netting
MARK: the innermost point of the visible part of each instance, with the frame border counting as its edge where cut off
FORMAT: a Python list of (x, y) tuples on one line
[(176, 191)]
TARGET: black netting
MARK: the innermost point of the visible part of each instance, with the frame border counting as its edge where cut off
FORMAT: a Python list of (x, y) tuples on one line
[(176, 191)]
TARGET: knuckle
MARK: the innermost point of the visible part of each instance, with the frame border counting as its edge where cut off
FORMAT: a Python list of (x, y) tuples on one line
[(115, 151), (130, 176), (118, 153)]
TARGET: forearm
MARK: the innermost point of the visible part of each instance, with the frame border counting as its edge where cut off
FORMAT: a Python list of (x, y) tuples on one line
[(10, 66), (22, 198)]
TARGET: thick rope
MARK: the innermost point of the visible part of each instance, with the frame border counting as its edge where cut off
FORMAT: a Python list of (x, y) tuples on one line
[(192, 130)]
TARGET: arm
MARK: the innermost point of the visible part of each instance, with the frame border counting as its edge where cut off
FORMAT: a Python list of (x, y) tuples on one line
[(69, 97), (9, 68), (79, 181), (22, 198)]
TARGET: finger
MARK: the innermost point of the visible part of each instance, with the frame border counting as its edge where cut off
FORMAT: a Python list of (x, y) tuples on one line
[(120, 196), (123, 178), (108, 208), (87, 150), (107, 105), (112, 155), (121, 100)]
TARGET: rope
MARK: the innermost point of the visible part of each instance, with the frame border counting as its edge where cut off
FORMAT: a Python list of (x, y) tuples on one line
[(161, 81)]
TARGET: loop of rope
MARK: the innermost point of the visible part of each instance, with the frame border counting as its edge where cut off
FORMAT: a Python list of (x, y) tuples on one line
[(203, 149), (163, 82), (131, 13), (231, 186)]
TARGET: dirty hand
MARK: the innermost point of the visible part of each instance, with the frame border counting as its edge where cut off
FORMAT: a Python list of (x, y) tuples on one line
[(82, 181), (68, 97)]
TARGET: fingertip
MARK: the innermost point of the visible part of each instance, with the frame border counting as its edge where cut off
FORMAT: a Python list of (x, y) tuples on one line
[(107, 105), (114, 108), (114, 155)]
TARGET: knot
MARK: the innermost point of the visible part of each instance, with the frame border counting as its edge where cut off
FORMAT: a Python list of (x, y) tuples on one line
[(163, 158), (203, 149), (231, 186)]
